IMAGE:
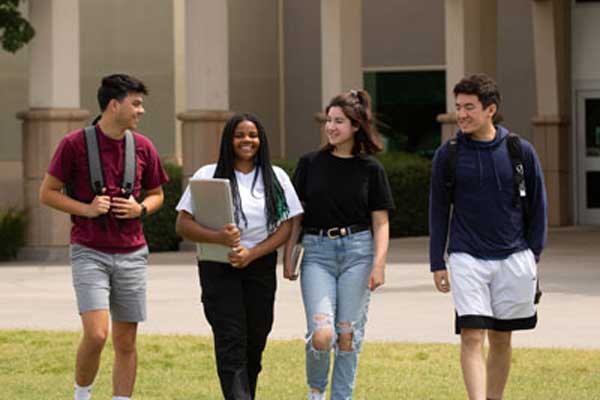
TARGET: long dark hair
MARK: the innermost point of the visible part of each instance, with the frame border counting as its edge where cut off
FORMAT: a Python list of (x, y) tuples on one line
[(276, 207), (356, 106)]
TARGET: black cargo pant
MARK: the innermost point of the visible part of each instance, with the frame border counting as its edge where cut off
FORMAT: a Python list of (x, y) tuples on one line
[(238, 304)]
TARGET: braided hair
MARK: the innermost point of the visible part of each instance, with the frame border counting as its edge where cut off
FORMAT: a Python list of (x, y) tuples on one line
[(276, 207)]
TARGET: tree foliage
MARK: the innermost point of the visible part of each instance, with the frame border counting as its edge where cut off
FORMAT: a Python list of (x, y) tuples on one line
[(15, 31)]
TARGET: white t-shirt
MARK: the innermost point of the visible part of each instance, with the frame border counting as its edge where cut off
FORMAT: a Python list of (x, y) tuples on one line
[(253, 202)]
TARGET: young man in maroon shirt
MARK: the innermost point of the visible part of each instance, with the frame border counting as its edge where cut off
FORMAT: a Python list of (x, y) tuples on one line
[(108, 250)]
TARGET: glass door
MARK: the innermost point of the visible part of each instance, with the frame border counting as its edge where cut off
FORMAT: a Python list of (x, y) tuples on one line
[(588, 156)]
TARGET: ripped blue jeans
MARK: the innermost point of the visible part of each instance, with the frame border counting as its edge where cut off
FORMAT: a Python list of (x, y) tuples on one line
[(334, 279)]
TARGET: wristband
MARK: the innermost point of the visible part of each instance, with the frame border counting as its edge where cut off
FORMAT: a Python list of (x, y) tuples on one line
[(144, 211)]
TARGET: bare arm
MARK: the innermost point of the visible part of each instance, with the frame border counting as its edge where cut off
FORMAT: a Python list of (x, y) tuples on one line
[(154, 200), (241, 256), (187, 227), (296, 230), (381, 238), (127, 208), (51, 195), (274, 241)]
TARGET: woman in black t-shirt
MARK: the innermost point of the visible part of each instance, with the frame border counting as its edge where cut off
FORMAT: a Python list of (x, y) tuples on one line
[(345, 234)]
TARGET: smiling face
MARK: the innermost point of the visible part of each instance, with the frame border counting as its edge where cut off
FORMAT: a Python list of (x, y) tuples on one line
[(471, 117), (339, 128), (246, 141), (129, 110)]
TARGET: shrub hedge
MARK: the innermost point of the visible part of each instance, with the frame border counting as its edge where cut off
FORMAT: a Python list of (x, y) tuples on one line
[(287, 165), (12, 232), (409, 177), (159, 228)]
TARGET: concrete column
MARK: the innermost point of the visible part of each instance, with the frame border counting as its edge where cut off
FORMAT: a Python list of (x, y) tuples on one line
[(54, 54), (179, 72), (54, 111), (341, 50), (471, 42), (207, 82), (551, 127), (48, 230), (341, 47)]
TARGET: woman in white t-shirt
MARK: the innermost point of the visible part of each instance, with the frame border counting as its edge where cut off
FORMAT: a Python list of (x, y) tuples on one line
[(238, 296)]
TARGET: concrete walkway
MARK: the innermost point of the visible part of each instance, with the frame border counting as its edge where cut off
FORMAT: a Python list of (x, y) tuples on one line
[(407, 308)]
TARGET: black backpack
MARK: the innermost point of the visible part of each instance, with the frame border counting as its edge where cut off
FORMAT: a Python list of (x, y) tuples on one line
[(95, 166), (513, 144)]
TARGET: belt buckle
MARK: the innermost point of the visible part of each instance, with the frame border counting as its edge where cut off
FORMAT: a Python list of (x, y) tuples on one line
[(331, 235)]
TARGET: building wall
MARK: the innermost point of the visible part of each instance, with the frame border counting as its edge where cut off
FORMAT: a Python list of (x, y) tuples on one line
[(585, 77), (254, 64), (133, 38), (410, 35), (403, 33), (586, 46), (515, 65), (14, 86), (302, 75)]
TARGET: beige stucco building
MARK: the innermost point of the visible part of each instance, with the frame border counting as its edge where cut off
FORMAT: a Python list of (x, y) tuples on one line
[(283, 59)]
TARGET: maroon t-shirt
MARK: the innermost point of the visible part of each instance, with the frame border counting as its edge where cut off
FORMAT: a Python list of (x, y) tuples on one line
[(70, 166)]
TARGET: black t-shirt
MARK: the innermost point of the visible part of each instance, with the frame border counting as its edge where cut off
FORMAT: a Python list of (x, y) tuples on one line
[(339, 191)]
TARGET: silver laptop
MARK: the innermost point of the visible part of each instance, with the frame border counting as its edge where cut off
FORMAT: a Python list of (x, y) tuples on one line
[(213, 208)]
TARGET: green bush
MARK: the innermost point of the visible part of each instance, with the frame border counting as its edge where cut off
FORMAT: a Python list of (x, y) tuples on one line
[(409, 177), (12, 233), (286, 165), (159, 228)]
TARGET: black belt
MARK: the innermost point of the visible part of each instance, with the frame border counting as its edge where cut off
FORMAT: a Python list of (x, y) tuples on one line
[(336, 232)]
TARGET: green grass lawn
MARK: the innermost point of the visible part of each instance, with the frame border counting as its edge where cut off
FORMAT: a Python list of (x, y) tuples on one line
[(39, 365)]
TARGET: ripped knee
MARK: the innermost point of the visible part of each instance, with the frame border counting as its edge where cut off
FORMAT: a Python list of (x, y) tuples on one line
[(345, 336), (322, 336)]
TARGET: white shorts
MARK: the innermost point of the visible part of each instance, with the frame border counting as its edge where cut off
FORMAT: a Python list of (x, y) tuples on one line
[(494, 294)]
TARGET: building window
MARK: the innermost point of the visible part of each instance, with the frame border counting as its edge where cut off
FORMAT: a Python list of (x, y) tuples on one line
[(593, 189), (406, 105)]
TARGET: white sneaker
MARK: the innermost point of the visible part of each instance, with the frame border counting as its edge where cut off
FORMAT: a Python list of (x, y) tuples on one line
[(316, 396)]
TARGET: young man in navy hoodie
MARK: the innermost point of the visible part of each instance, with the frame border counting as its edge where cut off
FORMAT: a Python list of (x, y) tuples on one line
[(492, 256)]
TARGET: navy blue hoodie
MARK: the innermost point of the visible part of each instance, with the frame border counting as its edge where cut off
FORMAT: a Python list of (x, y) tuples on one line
[(485, 221)]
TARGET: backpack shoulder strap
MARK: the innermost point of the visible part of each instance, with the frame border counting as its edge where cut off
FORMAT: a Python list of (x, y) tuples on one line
[(451, 168), (513, 143), (93, 156), (130, 163)]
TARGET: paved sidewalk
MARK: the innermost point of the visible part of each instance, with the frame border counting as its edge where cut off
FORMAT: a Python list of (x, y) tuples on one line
[(406, 308)]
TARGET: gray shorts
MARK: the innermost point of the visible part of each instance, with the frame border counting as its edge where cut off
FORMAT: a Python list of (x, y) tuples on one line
[(115, 282)]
